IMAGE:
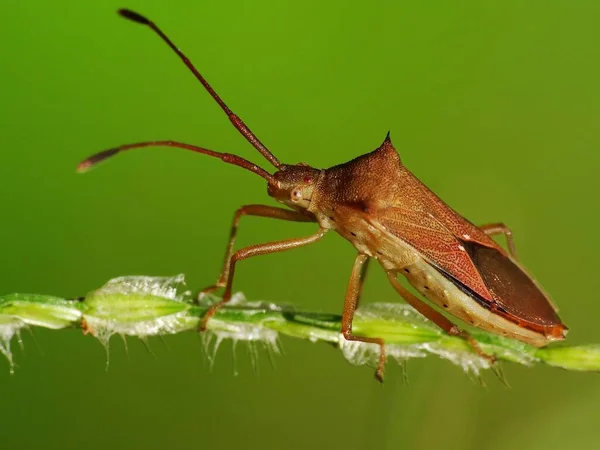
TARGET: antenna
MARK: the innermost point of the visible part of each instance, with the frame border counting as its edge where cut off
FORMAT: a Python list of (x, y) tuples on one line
[(225, 157), (235, 120)]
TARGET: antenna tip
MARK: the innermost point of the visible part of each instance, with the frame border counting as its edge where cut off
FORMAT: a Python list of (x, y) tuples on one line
[(83, 166), (129, 14), (93, 160)]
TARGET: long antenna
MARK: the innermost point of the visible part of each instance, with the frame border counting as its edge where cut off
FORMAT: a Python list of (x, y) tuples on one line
[(225, 157), (235, 120)]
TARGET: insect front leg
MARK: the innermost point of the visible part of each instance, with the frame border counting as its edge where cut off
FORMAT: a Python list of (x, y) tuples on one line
[(350, 304), (493, 229), (435, 316), (256, 250), (251, 210)]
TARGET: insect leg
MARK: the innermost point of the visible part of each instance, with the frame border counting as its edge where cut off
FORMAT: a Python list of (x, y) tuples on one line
[(252, 210), (493, 229), (363, 276), (256, 250), (435, 316), (350, 303)]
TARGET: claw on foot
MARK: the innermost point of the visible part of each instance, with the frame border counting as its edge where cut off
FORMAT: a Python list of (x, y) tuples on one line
[(86, 328), (491, 358), (379, 375)]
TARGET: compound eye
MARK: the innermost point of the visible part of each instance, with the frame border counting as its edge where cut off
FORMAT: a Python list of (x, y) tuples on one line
[(296, 195)]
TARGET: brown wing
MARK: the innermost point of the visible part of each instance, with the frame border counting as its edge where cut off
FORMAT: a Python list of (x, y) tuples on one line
[(466, 255), (436, 243)]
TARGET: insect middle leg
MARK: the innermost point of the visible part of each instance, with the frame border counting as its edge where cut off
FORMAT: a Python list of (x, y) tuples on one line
[(363, 276), (493, 229), (256, 250), (251, 210), (435, 316), (350, 304)]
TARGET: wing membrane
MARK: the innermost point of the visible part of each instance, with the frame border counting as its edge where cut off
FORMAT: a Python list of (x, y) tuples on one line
[(513, 290)]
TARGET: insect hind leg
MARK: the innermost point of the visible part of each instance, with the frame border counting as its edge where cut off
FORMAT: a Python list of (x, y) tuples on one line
[(493, 229), (435, 316)]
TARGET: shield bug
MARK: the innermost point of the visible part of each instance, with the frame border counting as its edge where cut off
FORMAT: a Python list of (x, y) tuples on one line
[(378, 205)]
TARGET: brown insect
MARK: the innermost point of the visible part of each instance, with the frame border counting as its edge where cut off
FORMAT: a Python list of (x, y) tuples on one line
[(379, 206)]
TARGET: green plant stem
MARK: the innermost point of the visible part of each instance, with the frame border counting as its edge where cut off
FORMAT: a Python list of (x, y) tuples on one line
[(146, 306)]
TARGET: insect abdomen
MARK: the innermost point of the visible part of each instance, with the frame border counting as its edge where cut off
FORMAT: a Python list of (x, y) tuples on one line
[(436, 288)]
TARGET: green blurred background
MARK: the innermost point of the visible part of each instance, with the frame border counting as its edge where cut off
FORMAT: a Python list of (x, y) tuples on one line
[(495, 105)]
